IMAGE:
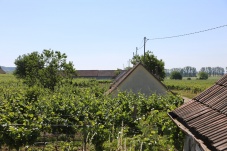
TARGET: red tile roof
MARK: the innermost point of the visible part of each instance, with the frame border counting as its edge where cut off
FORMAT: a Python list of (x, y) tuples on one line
[(205, 116)]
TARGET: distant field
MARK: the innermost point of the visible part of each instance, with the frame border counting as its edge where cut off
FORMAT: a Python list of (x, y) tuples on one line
[(190, 88)]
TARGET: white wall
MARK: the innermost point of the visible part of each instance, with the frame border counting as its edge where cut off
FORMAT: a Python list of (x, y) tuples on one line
[(191, 145), (140, 80)]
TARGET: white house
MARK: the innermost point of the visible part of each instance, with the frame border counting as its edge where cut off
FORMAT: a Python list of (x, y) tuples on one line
[(138, 79)]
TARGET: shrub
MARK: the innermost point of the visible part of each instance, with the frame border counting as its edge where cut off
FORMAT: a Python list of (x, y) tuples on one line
[(176, 75), (203, 75)]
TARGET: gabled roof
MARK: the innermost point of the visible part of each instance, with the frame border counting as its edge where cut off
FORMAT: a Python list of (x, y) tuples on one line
[(122, 77), (2, 71), (205, 116)]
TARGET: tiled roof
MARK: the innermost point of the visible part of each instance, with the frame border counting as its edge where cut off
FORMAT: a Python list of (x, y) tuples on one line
[(205, 116), (107, 73), (87, 73), (96, 73), (124, 75)]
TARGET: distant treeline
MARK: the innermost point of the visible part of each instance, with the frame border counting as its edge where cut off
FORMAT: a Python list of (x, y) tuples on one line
[(189, 71)]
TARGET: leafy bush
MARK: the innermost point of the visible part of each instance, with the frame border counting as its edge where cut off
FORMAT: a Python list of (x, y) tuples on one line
[(203, 75), (176, 75)]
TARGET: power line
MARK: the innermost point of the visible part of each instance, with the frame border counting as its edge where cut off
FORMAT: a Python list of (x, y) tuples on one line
[(140, 47), (192, 33), (182, 35), (141, 44)]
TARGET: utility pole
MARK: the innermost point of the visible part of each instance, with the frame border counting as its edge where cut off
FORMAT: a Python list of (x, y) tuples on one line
[(136, 54), (129, 63), (144, 46)]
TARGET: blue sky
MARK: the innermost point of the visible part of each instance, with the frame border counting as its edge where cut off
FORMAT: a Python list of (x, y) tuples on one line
[(104, 34)]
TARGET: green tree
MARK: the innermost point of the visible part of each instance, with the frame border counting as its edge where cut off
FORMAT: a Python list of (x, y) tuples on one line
[(48, 68), (176, 75), (203, 75), (151, 62)]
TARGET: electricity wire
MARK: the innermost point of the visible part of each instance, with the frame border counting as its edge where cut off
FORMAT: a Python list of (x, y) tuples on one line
[(192, 33), (141, 46)]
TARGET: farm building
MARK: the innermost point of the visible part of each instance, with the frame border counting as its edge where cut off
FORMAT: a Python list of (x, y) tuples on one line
[(2, 71), (204, 119), (138, 79), (98, 74)]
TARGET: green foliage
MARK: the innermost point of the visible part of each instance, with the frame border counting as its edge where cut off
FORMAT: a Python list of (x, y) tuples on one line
[(203, 75), (81, 109), (213, 71), (46, 69), (151, 62), (189, 88), (176, 75), (20, 122), (187, 71), (117, 72)]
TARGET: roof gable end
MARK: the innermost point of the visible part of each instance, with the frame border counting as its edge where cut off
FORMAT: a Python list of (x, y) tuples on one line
[(123, 77)]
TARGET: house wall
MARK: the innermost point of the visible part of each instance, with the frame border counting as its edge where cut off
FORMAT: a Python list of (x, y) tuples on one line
[(190, 144), (140, 80)]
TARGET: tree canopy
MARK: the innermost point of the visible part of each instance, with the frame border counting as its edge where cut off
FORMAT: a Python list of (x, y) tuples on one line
[(213, 71), (176, 75), (47, 68), (187, 71), (151, 62), (203, 75)]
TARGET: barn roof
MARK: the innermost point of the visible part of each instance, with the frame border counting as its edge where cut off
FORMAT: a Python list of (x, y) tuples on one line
[(123, 76), (96, 73), (205, 116), (87, 73), (2, 71)]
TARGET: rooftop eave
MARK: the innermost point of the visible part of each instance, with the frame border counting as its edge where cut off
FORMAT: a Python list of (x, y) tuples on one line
[(186, 130)]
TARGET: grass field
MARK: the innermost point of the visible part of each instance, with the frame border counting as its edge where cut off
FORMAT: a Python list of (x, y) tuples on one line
[(190, 88)]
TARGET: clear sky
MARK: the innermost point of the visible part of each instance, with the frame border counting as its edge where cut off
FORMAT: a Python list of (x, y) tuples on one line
[(98, 34)]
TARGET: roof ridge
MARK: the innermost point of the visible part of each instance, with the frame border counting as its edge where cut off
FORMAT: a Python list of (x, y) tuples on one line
[(124, 76)]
